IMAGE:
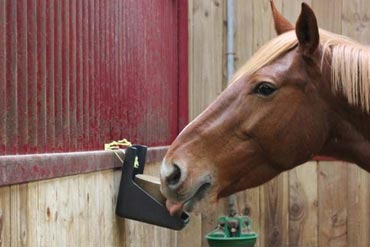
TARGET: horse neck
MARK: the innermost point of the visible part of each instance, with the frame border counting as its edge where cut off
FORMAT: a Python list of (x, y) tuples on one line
[(350, 129)]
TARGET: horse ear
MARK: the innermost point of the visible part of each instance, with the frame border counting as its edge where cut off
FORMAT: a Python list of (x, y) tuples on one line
[(282, 25), (307, 30)]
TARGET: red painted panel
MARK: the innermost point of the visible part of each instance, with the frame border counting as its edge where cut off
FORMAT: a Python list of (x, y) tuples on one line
[(76, 74), (3, 81)]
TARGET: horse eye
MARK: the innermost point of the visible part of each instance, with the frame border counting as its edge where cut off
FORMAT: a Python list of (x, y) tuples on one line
[(264, 89)]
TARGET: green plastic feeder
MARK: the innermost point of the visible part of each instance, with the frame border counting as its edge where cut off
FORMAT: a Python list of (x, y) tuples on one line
[(232, 232)]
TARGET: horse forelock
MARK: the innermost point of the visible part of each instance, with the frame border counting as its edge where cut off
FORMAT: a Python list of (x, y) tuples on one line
[(350, 63)]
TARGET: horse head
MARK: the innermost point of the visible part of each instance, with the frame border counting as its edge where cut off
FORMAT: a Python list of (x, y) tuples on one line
[(273, 116)]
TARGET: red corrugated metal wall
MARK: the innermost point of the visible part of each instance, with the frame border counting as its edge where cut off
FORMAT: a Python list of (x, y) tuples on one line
[(76, 74)]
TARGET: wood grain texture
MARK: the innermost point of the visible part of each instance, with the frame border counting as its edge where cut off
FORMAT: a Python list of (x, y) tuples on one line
[(356, 20), (33, 217), (358, 207), (329, 14), (333, 197), (48, 203), (243, 37), (274, 231), (5, 217), (19, 215), (263, 25), (303, 206), (192, 234), (292, 8), (205, 54)]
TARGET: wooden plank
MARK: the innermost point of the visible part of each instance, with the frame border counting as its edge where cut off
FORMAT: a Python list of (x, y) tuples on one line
[(166, 237), (18, 210), (274, 212), (291, 9), (19, 213), (263, 25), (355, 19), (59, 215), (33, 217), (205, 53), (120, 236), (94, 210), (83, 200), (73, 213), (358, 207), (5, 220), (355, 25), (108, 197), (243, 40), (63, 217), (224, 44), (303, 210), (47, 208), (191, 235), (332, 189), (328, 14)]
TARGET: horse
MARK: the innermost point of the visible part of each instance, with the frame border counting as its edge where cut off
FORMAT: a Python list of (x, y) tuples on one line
[(305, 93)]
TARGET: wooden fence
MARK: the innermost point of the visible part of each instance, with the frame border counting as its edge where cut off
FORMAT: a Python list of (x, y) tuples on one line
[(319, 203)]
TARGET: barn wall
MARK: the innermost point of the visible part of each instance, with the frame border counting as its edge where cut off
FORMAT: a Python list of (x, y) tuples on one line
[(316, 204), (77, 74)]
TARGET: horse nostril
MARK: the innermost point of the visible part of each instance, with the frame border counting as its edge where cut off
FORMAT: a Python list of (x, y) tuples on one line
[(175, 176)]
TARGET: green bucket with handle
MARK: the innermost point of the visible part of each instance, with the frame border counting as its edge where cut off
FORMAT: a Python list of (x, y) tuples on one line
[(232, 232)]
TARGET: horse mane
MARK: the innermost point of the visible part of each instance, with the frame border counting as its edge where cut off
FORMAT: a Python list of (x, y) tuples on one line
[(350, 63)]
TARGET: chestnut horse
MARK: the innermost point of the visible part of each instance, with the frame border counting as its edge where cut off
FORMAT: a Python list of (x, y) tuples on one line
[(304, 93)]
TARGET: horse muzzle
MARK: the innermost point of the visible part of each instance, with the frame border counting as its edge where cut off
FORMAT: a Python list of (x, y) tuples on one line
[(181, 189)]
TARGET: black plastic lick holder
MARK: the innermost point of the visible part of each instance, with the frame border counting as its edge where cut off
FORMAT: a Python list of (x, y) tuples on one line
[(133, 202)]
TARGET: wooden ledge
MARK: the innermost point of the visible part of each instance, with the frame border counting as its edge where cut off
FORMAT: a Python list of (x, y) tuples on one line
[(16, 169)]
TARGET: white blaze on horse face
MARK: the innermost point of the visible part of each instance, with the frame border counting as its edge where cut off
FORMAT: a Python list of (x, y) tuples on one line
[(168, 168)]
